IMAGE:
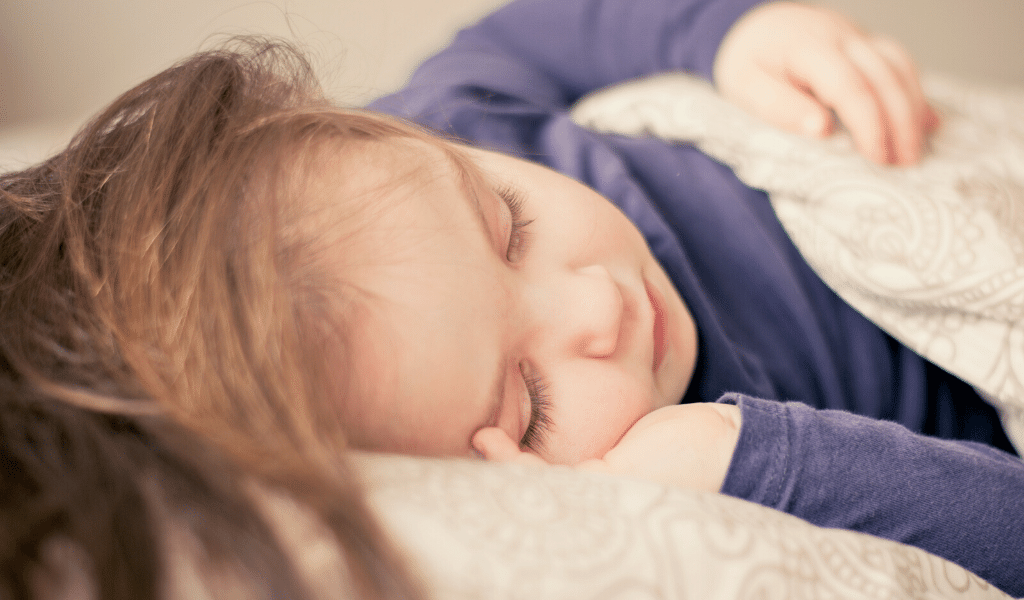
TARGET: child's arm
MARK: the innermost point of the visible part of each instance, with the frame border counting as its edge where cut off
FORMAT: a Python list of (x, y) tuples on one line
[(959, 500), (502, 80), (962, 501)]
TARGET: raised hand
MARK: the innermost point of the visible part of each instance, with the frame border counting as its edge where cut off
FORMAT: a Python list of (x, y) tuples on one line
[(795, 66)]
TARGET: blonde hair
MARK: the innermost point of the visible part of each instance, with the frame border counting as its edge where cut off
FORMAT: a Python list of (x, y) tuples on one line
[(145, 274)]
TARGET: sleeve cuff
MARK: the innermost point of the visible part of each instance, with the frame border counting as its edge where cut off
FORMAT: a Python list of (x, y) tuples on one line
[(761, 462)]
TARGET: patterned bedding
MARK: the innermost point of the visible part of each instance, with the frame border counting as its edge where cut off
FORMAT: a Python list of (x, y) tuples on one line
[(492, 531)]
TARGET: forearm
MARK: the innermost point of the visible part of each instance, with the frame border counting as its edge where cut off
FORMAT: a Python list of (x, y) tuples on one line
[(961, 501), (588, 44), (546, 53)]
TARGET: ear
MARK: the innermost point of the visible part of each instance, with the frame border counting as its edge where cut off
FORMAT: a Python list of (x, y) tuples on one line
[(495, 445)]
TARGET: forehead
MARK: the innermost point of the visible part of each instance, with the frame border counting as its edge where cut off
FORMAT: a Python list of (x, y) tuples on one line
[(424, 349), (374, 173), (348, 193)]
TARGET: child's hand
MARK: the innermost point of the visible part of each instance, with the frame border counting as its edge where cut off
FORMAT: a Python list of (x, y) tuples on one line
[(685, 445), (793, 65)]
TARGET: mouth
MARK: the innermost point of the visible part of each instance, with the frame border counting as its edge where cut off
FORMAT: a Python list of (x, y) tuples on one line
[(659, 337)]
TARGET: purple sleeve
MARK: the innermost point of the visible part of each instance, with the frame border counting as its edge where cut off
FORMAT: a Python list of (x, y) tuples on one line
[(962, 501), (533, 58)]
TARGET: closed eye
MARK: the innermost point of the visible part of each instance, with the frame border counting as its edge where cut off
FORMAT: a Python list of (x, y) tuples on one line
[(518, 242), (519, 234), (540, 421)]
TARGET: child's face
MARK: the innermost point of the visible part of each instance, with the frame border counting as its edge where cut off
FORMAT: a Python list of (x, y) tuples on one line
[(570, 323)]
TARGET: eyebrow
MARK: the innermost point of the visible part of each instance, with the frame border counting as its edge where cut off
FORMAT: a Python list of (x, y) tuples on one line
[(465, 184)]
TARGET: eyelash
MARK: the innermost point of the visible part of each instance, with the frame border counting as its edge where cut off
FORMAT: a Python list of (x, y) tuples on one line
[(540, 422), (518, 240), (519, 235)]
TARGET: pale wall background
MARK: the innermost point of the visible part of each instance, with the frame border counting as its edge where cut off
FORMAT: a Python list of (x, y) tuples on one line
[(62, 60)]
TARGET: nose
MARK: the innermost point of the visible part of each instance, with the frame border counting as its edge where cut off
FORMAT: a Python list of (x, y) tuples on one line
[(592, 312)]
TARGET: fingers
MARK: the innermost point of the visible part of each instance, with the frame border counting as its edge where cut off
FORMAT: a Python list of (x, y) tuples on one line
[(905, 68), (495, 445), (901, 133), (874, 88), (795, 65), (893, 78), (838, 84)]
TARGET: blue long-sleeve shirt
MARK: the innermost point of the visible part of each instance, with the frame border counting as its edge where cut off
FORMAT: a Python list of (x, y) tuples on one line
[(959, 500), (768, 327)]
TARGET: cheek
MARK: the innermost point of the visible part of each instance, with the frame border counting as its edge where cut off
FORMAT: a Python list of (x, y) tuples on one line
[(590, 414)]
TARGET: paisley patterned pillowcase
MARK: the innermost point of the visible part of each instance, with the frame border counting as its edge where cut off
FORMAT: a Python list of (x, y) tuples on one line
[(491, 531), (933, 254)]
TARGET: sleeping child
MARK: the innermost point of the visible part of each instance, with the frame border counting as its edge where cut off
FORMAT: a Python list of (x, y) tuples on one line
[(522, 312), (287, 278)]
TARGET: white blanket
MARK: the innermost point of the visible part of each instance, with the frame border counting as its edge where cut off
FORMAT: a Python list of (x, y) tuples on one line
[(933, 254), (477, 530)]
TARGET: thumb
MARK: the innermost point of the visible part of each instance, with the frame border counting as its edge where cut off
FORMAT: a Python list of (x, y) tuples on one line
[(495, 445), (784, 104)]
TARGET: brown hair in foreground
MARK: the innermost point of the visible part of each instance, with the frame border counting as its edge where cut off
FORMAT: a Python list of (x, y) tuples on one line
[(162, 353)]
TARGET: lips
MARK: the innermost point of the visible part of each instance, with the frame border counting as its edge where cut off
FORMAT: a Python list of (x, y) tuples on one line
[(658, 335)]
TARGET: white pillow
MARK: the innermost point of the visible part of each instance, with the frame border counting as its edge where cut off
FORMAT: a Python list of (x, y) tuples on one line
[(933, 254), (492, 531)]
